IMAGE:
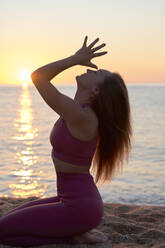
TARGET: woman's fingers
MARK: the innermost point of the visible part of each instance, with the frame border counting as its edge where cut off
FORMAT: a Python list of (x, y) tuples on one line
[(93, 43), (91, 51), (98, 54), (85, 41), (92, 65), (98, 47)]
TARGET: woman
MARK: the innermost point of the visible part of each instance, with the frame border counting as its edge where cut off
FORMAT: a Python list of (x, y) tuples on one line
[(97, 123)]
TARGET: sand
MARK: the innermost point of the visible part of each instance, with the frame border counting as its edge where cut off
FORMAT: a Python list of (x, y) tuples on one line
[(126, 225)]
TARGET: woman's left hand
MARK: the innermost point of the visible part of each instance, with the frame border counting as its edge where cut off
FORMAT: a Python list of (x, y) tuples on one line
[(86, 53)]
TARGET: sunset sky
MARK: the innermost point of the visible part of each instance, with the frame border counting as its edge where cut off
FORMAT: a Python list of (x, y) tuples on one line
[(35, 33)]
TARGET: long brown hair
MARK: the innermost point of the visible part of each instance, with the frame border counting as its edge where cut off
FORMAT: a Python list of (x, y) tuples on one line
[(112, 108)]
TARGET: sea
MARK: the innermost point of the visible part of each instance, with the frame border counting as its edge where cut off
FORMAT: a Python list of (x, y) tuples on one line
[(26, 167)]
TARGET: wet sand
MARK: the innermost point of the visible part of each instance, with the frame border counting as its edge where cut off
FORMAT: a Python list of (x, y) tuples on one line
[(126, 225)]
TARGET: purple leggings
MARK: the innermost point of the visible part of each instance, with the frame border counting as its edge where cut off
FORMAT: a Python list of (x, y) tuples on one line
[(77, 208)]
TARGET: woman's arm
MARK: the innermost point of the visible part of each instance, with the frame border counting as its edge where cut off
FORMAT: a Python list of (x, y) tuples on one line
[(81, 57), (60, 103), (49, 71)]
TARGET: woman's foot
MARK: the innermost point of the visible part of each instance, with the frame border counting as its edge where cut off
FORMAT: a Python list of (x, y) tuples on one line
[(91, 237)]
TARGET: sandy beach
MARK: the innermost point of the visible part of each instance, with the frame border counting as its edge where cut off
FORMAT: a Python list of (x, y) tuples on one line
[(126, 225)]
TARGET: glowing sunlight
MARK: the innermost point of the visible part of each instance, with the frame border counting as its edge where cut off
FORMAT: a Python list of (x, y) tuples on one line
[(27, 176), (24, 76)]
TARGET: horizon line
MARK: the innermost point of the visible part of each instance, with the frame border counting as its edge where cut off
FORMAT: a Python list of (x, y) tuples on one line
[(69, 85)]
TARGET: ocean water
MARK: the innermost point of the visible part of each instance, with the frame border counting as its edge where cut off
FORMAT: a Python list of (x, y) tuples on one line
[(26, 168)]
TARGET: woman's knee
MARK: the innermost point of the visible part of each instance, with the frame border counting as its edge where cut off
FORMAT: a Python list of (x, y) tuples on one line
[(35, 202)]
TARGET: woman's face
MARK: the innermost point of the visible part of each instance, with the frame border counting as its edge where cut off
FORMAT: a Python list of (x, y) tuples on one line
[(92, 78)]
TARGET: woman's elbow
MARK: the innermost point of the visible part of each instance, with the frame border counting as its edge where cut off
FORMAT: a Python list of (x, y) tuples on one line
[(34, 76)]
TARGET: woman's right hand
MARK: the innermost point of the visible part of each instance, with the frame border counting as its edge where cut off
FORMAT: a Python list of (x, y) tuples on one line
[(86, 53)]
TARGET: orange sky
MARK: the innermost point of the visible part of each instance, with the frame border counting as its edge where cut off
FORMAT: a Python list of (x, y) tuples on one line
[(37, 34)]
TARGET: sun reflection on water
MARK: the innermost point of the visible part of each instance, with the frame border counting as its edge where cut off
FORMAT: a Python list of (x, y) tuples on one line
[(27, 176)]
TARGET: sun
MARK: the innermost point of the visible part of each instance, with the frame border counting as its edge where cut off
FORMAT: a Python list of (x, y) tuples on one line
[(24, 76)]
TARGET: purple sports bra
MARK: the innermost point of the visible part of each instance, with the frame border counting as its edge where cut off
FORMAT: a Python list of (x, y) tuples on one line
[(68, 148)]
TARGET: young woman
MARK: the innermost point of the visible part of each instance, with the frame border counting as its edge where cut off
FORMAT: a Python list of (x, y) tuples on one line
[(96, 126)]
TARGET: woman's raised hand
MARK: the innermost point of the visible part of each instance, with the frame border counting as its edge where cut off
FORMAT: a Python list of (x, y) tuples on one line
[(86, 53)]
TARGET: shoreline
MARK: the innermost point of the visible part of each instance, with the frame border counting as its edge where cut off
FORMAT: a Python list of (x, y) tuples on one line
[(127, 225)]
